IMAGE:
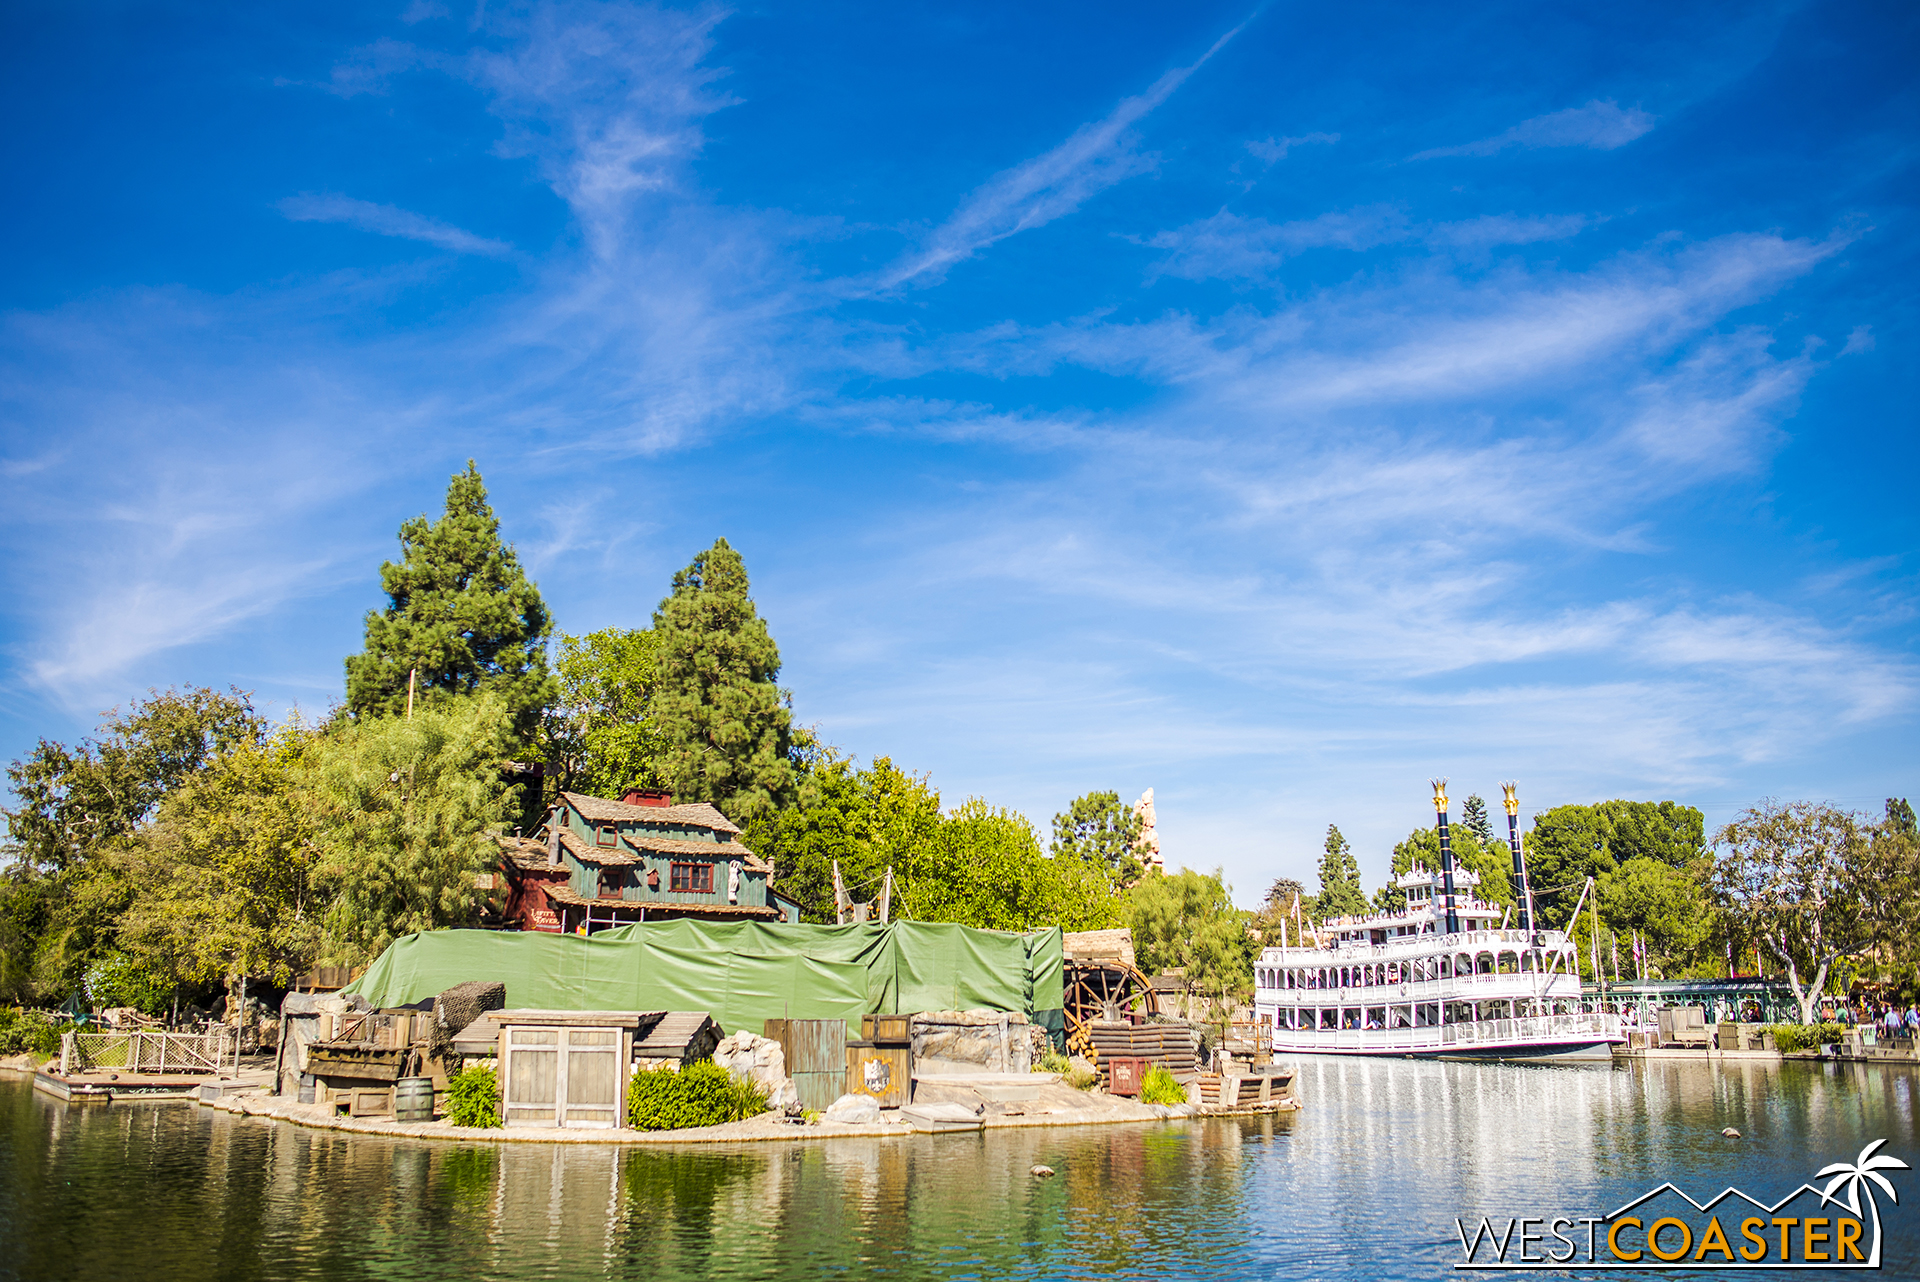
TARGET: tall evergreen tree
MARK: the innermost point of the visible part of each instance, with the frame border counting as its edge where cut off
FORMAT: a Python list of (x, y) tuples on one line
[(462, 615), (1473, 817), (1100, 828), (723, 725), (1340, 893)]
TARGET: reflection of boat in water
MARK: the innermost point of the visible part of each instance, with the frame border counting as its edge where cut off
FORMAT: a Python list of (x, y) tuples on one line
[(1441, 976)]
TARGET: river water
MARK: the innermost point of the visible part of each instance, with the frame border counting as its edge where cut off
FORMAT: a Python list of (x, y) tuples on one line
[(1365, 1182)]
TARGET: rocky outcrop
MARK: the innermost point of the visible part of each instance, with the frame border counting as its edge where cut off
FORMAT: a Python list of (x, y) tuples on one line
[(760, 1060), (972, 1041)]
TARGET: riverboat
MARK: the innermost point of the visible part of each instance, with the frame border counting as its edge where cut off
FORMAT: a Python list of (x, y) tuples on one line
[(1442, 977)]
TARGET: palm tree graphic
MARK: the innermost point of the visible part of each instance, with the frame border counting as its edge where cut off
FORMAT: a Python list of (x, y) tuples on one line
[(1854, 1176)]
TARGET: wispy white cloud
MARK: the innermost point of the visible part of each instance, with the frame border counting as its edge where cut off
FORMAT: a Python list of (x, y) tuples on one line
[(386, 220), (1274, 150), (1229, 246), (1600, 125), (1049, 186)]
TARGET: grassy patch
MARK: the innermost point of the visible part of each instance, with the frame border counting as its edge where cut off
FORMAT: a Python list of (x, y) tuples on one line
[(1159, 1087)]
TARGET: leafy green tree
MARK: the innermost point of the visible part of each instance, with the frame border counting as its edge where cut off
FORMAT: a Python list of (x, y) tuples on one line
[(1796, 875), (724, 726), (1473, 817), (599, 737), (407, 813), (1492, 863), (72, 803), (1892, 868), (462, 618), (1102, 830), (1273, 923), (1188, 921), (1340, 893), (64, 895), (222, 876), (985, 869), (866, 819), (1568, 844), (1666, 906)]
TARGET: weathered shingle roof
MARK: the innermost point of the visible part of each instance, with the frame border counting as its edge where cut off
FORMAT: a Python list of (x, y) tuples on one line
[(697, 814), (603, 856), (722, 849)]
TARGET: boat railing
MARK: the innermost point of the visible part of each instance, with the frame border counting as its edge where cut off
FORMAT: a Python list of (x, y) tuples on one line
[(1534, 1029), (151, 1052)]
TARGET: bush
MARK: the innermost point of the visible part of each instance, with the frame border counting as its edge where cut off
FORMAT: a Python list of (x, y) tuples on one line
[(1159, 1087), (473, 1097), (1788, 1038), (28, 1031), (702, 1094), (1054, 1062)]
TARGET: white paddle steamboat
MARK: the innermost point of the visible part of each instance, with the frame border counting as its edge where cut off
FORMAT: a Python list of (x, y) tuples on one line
[(1440, 977)]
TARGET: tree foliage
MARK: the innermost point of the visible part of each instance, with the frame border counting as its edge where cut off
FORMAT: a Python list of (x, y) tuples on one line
[(1568, 844), (1340, 893), (1491, 862), (222, 876), (1793, 874), (1102, 830), (979, 865), (407, 813), (461, 614), (724, 728), (1473, 818), (1187, 921), (73, 803), (599, 737)]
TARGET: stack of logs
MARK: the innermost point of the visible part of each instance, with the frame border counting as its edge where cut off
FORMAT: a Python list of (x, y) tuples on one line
[(1170, 1045)]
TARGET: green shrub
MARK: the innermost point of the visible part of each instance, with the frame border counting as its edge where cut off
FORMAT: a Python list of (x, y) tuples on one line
[(28, 1031), (701, 1094), (473, 1097), (1053, 1062), (1788, 1038), (1159, 1087)]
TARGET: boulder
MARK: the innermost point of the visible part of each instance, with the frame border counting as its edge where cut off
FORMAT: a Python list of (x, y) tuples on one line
[(758, 1059), (854, 1110)]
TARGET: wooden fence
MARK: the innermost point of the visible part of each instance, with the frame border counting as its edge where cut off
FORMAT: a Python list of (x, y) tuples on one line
[(144, 1052)]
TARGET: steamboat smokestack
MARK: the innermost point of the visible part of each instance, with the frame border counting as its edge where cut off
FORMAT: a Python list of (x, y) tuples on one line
[(1446, 855), (1519, 859)]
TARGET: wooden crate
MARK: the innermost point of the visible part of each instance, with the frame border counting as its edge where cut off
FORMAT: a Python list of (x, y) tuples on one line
[(1124, 1074), (883, 1072), (886, 1030)]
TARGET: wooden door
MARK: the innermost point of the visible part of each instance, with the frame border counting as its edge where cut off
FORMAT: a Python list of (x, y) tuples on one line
[(564, 1077)]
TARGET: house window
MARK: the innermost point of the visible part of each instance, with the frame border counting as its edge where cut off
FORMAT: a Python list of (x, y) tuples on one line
[(610, 880), (692, 879), (606, 836)]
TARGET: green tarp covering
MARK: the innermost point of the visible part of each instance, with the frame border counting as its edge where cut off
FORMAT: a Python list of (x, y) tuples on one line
[(743, 973)]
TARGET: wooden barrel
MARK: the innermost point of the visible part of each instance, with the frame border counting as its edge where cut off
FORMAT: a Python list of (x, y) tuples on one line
[(413, 1099)]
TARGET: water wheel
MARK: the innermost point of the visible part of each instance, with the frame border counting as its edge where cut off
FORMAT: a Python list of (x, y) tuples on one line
[(1106, 992)]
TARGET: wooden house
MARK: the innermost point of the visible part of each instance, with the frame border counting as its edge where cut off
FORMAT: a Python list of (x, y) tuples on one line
[(598, 864)]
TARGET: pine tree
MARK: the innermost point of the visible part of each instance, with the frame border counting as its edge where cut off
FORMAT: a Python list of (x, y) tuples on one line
[(463, 617), (1340, 893), (725, 732), (1473, 817)]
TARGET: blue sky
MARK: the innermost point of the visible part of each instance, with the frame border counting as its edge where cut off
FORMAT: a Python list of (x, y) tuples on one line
[(1275, 407)]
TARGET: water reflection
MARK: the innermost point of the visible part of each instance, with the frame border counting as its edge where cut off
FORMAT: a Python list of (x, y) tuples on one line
[(1364, 1183)]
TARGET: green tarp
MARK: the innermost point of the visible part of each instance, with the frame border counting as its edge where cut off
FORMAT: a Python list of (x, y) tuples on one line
[(743, 973)]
